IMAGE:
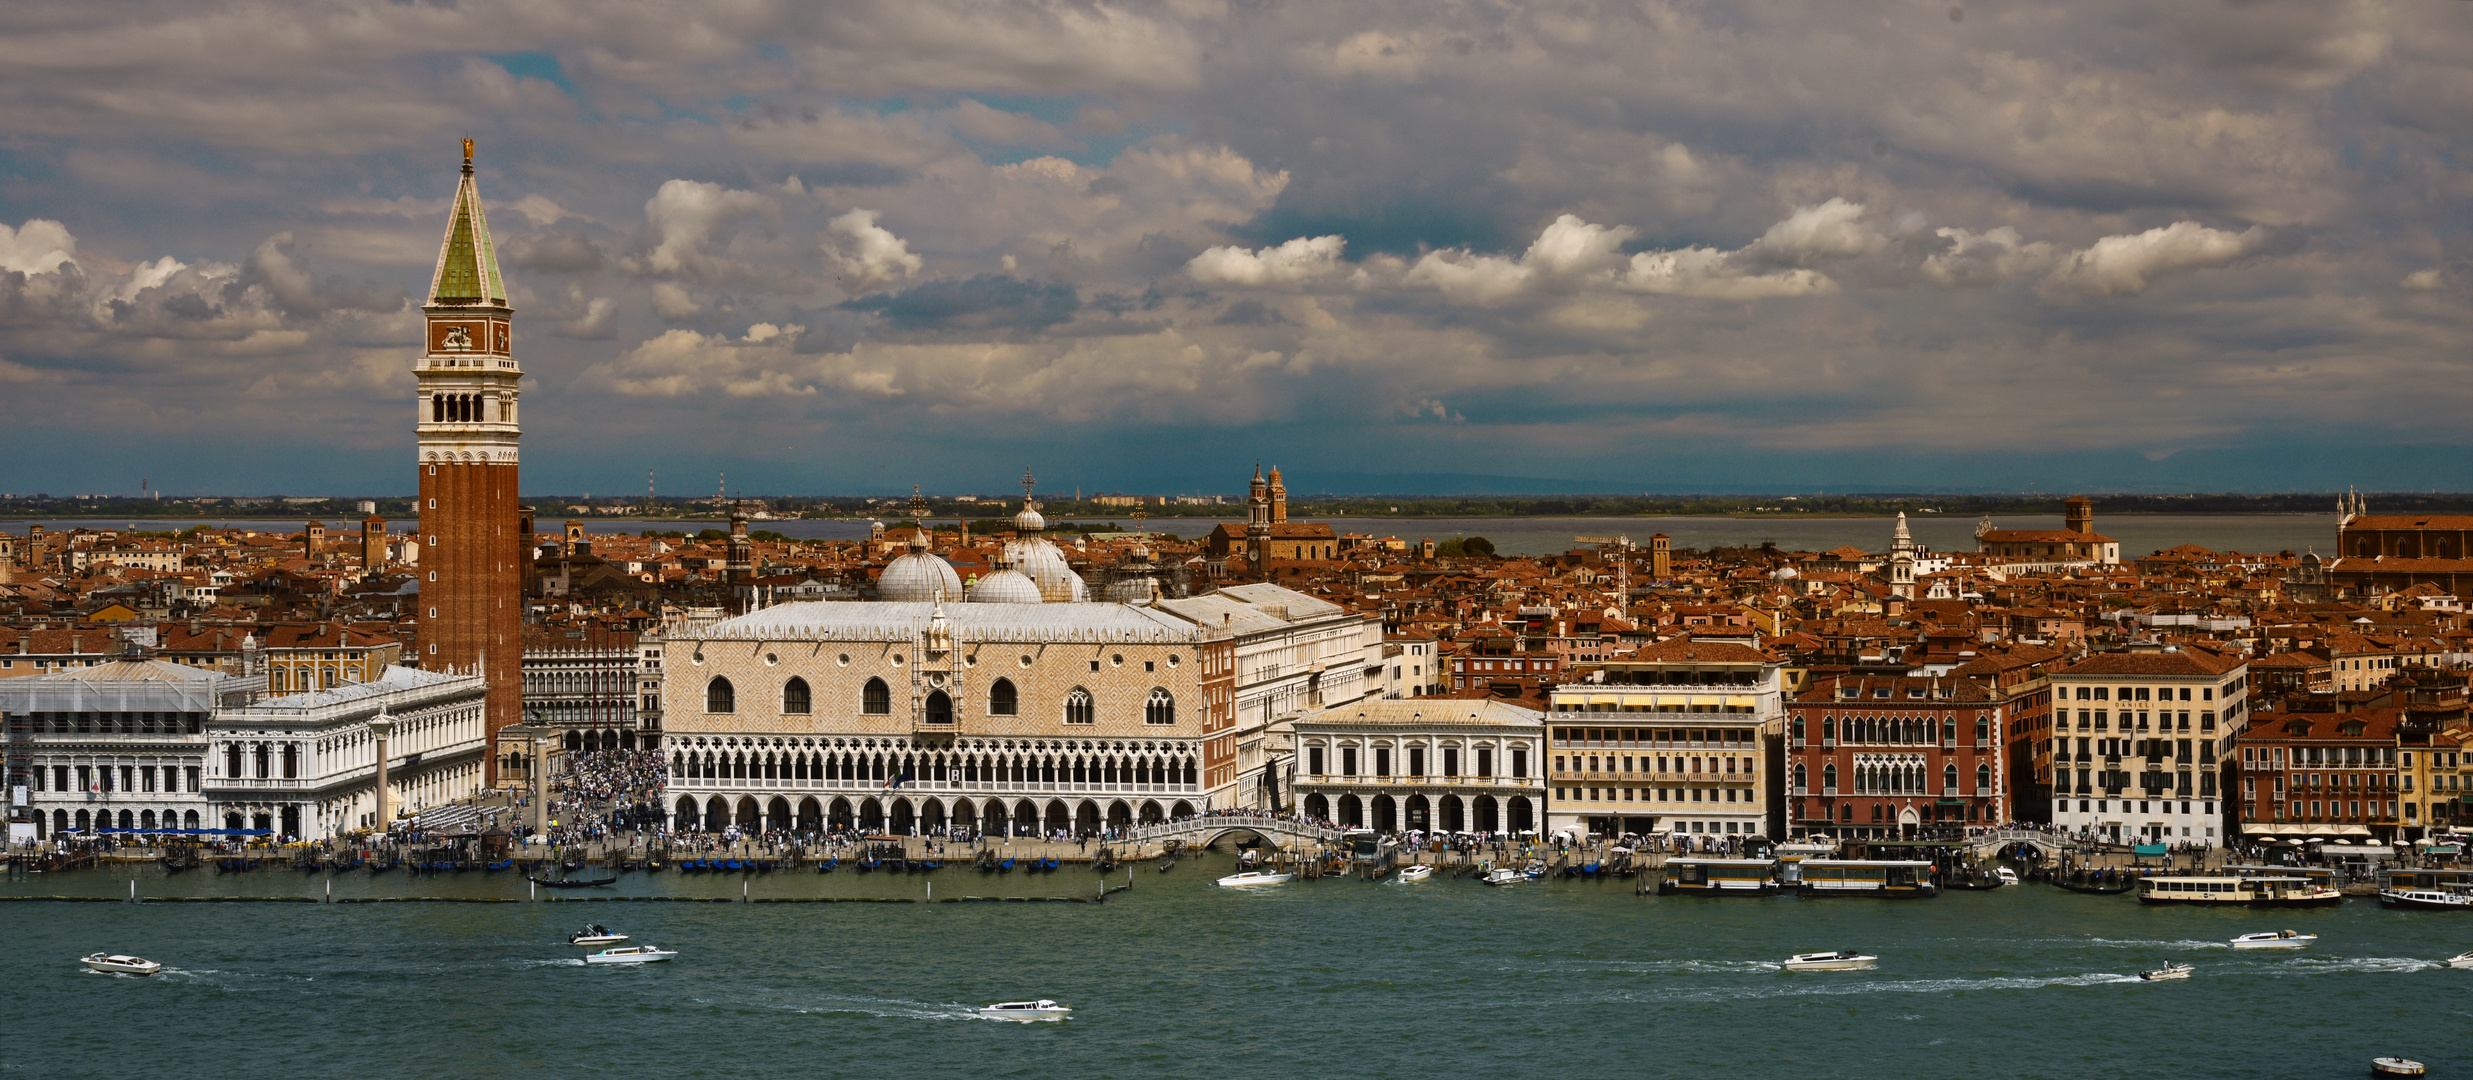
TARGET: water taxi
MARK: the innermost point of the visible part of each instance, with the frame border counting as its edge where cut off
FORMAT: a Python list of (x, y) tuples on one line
[(2168, 971), (2426, 899), (2250, 890), (2275, 939), (1252, 878), (1042, 1009), (2460, 960), (1839, 960), (118, 964), (2007, 875), (1504, 875), (1409, 874), (631, 954), (1719, 877), (1888, 878), (596, 934), (2396, 1066)]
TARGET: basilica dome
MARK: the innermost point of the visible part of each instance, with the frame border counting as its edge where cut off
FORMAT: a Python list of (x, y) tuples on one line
[(1042, 563), (917, 578), (1005, 587)]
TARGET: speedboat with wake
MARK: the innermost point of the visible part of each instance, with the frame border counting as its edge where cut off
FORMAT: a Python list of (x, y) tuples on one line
[(631, 954), (2460, 960), (118, 964), (596, 934), (1042, 1009), (2275, 939), (1410, 874), (1251, 878), (2170, 970), (1839, 960)]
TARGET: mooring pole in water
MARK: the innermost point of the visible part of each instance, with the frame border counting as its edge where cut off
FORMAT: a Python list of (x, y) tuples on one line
[(931, 892), (532, 891), (330, 890), (742, 891), (133, 890)]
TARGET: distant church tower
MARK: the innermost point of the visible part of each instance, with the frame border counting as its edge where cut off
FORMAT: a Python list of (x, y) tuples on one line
[(1279, 498), (1902, 561), (472, 580), (1258, 521)]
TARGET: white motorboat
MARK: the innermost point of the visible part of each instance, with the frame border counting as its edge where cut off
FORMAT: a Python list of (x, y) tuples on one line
[(631, 954), (2007, 875), (2396, 1066), (1251, 878), (118, 964), (1042, 1009), (2170, 970), (1504, 875), (2461, 960), (596, 934), (1840, 960), (2275, 939), (1415, 873)]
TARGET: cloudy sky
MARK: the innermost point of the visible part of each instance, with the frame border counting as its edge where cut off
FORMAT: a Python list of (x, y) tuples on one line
[(1645, 246)]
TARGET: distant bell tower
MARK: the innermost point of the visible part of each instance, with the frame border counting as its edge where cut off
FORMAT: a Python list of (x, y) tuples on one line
[(1279, 498), (2079, 515), (472, 580), (1258, 522)]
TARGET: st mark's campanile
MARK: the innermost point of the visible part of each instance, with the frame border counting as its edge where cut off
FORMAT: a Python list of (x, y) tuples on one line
[(472, 546)]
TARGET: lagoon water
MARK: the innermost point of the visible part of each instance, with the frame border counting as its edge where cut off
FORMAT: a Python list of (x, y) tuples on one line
[(2138, 533), (1178, 977)]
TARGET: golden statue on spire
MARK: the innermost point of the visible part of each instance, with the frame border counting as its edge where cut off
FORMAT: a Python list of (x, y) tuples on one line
[(467, 150)]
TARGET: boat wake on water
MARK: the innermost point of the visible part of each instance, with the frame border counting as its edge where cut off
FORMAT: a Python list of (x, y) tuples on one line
[(889, 1008), (2337, 965), (2126, 943), (1695, 967), (1801, 988), (563, 961)]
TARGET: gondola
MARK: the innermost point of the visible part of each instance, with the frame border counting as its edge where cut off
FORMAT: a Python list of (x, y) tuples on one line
[(2106, 882), (826, 866), (925, 865), (572, 883), (1167, 863), (499, 865), (1005, 867)]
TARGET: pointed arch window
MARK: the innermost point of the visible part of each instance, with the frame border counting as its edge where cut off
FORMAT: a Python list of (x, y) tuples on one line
[(1829, 777), (1079, 708), (1003, 699), (1160, 708), (1949, 779), (876, 699), (1983, 779), (794, 696), (720, 696)]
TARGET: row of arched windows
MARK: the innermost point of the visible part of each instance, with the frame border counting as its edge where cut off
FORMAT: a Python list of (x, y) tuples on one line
[(876, 699), (1893, 779), (1016, 768), (459, 408), (1889, 729)]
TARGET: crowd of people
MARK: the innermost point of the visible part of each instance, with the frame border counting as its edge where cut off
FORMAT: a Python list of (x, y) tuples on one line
[(605, 792)]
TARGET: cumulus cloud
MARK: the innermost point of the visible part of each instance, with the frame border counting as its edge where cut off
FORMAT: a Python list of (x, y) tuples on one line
[(686, 218), (1833, 229), (37, 247), (1293, 263), (1572, 254), (1986, 258), (1715, 275), (2123, 265), (2428, 279), (867, 255), (760, 363)]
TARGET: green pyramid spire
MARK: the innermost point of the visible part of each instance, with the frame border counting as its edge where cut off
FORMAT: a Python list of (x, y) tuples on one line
[(468, 263)]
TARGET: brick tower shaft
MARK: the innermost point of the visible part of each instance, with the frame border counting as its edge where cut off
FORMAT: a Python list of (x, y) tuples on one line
[(472, 544)]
